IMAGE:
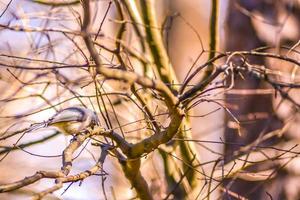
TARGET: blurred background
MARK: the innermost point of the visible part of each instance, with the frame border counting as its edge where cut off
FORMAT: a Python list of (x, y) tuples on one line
[(40, 36)]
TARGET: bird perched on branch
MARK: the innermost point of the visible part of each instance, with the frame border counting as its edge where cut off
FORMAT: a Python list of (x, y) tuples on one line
[(74, 120)]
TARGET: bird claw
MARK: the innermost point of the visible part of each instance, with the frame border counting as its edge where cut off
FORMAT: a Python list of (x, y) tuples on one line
[(97, 129), (74, 137)]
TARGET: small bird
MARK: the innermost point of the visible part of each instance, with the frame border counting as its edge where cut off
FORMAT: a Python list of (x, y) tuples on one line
[(74, 120)]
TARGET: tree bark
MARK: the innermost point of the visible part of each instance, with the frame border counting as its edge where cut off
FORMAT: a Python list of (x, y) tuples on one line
[(241, 35)]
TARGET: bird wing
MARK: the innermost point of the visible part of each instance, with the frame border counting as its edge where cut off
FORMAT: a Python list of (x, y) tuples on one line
[(66, 115)]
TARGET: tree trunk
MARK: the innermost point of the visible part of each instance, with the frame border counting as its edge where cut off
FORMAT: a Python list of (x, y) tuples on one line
[(254, 112)]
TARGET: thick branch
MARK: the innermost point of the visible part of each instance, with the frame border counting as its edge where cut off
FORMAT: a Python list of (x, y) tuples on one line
[(213, 35), (130, 77), (132, 172), (60, 175), (151, 143), (29, 180), (155, 42)]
